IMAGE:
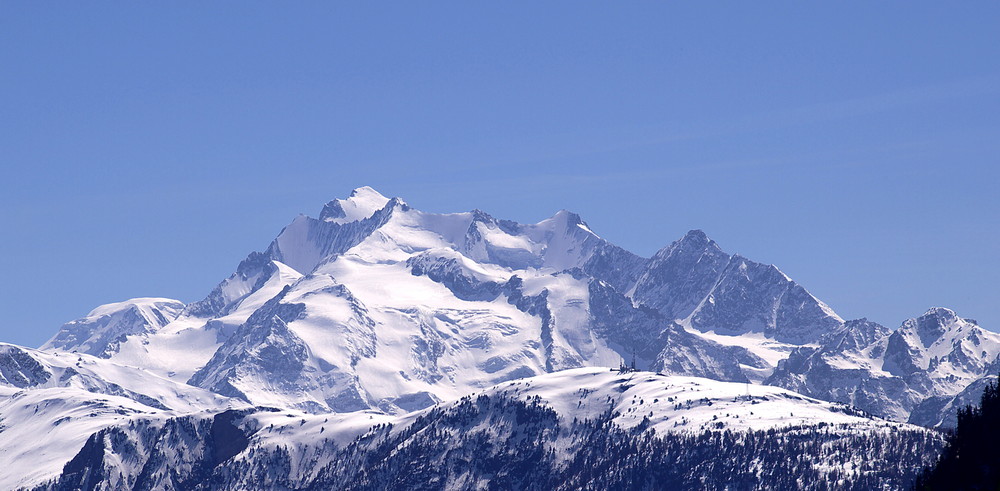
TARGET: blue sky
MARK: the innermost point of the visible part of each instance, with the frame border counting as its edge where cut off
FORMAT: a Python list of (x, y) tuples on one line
[(146, 149)]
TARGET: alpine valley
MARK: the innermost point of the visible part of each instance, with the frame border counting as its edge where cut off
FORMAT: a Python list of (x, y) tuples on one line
[(381, 347)]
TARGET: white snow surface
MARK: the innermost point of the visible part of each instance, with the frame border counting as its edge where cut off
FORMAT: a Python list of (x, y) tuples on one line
[(44, 425), (109, 322), (757, 343), (362, 203), (144, 303), (183, 346), (768, 349), (63, 418), (669, 403), (676, 403), (954, 351)]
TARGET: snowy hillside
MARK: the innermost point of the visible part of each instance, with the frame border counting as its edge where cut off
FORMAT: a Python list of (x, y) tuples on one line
[(51, 402), (538, 427)]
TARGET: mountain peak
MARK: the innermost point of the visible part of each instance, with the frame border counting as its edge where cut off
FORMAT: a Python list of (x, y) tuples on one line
[(103, 329), (362, 203), (366, 191), (696, 234), (933, 324), (940, 312), (693, 242), (134, 303), (569, 217)]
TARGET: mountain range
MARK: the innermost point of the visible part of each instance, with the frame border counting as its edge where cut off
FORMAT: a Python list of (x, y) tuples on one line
[(378, 318)]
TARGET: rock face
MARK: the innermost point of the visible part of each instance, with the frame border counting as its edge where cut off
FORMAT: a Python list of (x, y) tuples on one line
[(20, 369), (694, 280), (681, 276), (377, 305), (941, 345), (923, 364), (942, 411)]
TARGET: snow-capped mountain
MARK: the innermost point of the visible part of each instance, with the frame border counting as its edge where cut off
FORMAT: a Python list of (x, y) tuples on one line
[(536, 430), (354, 332), (378, 305), (100, 332), (695, 282), (944, 349), (929, 358)]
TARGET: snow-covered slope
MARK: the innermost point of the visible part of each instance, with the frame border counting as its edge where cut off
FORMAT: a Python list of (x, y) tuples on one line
[(50, 402), (628, 399), (361, 204), (536, 429), (104, 328), (677, 403), (406, 341), (25, 369), (949, 351)]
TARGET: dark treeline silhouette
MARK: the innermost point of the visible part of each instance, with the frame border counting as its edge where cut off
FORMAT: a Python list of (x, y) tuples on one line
[(971, 459)]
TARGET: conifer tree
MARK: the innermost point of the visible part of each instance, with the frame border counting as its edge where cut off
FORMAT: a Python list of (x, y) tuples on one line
[(971, 459)]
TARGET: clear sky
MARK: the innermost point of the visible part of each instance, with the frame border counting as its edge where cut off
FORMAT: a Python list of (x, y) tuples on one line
[(146, 149)]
